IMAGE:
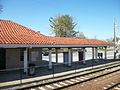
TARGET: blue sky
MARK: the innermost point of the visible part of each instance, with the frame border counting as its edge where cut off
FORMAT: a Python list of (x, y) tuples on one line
[(93, 17)]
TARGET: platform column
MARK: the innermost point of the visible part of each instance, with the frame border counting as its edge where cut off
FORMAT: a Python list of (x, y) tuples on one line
[(50, 58), (26, 61), (69, 56), (105, 53), (56, 49), (84, 56), (93, 52), (96, 54)]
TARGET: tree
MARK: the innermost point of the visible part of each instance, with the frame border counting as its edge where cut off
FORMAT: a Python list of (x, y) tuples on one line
[(109, 40), (63, 26), (117, 39), (112, 39), (80, 35)]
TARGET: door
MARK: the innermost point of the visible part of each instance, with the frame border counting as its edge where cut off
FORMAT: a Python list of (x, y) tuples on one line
[(2, 58), (80, 54)]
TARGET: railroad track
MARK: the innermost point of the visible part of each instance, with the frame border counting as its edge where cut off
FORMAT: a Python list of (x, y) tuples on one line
[(113, 86), (117, 87), (76, 79)]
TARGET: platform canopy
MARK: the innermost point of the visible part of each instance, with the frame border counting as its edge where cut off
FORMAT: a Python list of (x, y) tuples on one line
[(14, 35)]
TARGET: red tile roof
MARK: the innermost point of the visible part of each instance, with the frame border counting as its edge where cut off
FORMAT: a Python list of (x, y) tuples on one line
[(13, 33)]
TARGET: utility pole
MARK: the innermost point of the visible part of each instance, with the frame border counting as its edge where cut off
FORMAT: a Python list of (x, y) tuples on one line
[(114, 37)]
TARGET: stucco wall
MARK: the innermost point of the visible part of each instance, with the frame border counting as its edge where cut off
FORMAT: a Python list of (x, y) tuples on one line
[(38, 59), (12, 58)]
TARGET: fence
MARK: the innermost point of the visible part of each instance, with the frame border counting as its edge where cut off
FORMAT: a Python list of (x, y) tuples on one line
[(42, 74)]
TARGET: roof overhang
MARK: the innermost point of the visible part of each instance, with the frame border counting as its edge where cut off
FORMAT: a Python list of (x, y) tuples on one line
[(51, 46)]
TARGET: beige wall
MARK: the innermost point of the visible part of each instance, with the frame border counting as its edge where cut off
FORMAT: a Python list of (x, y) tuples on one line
[(39, 58), (12, 58)]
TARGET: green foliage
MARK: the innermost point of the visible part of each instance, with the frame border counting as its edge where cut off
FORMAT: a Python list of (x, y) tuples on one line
[(112, 39), (109, 40), (63, 26), (80, 35)]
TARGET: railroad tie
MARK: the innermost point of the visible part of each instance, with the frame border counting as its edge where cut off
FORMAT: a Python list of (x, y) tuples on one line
[(78, 78), (116, 88), (104, 87), (63, 83), (108, 85), (32, 89), (69, 81), (112, 83), (41, 88), (90, 75), (56, 84), (74, 80), (119, 86), (84, 77), (104, 77), (49, 86), (95, 80)]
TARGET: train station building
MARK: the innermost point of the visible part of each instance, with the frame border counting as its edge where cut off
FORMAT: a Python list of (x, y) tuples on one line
[(20, 46)]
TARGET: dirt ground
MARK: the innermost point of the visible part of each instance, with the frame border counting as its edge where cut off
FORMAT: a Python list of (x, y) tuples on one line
[(97, 84)]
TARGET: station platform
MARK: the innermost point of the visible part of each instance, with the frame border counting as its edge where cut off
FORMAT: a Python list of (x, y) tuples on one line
[(17, 77)]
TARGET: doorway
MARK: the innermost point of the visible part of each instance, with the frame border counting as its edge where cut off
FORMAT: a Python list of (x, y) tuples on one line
[(2, 58)]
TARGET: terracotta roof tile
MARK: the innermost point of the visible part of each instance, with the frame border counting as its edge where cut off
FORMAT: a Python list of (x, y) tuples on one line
[(13, 33)]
